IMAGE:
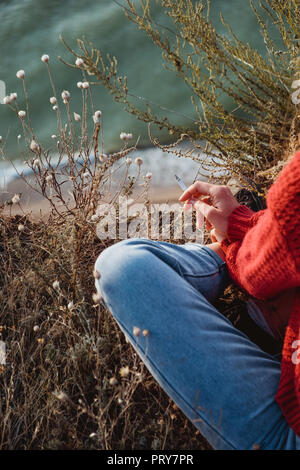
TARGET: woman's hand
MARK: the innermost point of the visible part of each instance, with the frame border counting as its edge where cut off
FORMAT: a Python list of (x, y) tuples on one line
[(215, 207), (216, 247), (215, 236)]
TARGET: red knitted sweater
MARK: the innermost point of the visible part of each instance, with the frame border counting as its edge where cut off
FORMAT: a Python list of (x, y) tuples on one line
[(263, 257)]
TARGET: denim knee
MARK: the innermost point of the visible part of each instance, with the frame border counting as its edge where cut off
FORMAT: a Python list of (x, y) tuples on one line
[(119, 264)]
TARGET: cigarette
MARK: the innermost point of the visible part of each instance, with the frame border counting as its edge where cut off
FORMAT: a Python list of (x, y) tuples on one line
[(183, 187), (181, 183)]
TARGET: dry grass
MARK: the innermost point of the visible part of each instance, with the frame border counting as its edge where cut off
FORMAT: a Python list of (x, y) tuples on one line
[(55, 386)]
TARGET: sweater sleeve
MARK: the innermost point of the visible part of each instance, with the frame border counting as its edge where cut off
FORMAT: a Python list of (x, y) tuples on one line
[(284, 202), (263, 249)]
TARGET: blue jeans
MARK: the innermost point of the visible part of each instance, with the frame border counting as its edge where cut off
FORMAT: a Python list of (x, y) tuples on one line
[(223, 382)]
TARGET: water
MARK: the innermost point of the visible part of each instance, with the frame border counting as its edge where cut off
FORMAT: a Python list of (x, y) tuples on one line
[(30, 28)]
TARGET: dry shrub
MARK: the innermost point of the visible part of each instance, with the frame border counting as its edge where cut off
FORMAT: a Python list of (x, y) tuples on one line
[(71, 381), (57, 388)]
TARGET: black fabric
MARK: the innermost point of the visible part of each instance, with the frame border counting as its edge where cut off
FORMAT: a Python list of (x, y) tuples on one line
[(251, 199)]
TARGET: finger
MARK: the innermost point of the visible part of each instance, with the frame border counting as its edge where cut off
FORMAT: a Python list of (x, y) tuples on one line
[(189, 203), (206, 199), (218, 238), (209, 212), (195, 194), (208, 225), (199, 188), (187, 206), (212, 236), (199, 220), (195, 197)]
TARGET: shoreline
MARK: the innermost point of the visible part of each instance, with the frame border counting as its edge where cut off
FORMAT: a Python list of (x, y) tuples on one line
[(163, 187), (36, 206), (161, 164)]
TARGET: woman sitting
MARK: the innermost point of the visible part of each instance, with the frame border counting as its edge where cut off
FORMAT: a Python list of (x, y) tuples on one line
[(161, 295)]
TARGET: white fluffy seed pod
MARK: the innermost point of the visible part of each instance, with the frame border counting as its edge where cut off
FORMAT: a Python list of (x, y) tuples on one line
[(7, 100), (124, 371), (85, 85), (102, 157), (136, 331), (60, 395), (77, 117), (96, 298), (45, 58), (20, 74), (34, 145), (13, 96), (36, 328), (97, 116), (15, 199), (79, 85), (55, 108), (139, 161), (0, 139), (66, 95), (128, 161), (149, 176), (96, 274), (79, 62), (21, 227), (124, 136), (55, 285), (53, 100), (21, 114), (36, 163)]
